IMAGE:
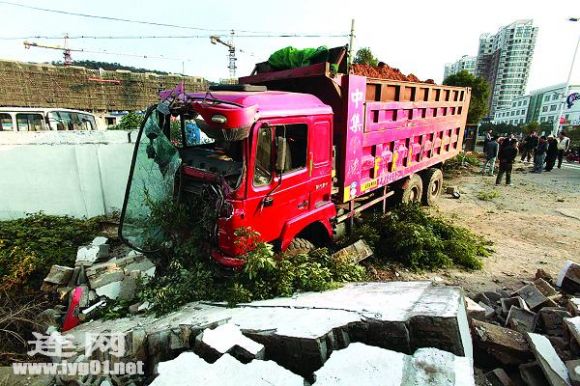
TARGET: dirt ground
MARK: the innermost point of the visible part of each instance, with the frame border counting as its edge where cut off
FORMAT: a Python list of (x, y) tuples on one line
[(533, 224)]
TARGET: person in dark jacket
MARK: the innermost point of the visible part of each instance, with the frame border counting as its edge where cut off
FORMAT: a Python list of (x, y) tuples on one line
[(551, 153), (507, 156), (529, 145), (540, 155), (491, 153)]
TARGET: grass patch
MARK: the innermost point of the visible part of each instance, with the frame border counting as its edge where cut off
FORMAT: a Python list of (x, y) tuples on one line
[(421, 241), (488, 195), (29, 246)]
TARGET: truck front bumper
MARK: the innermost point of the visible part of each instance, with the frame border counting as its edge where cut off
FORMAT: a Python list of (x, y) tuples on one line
[(227, 261)]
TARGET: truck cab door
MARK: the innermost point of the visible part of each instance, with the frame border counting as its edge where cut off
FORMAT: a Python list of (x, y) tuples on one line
[(279, 183), (151, 181)]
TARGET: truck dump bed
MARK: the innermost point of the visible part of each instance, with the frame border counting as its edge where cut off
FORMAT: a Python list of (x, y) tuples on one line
[(384, 130)]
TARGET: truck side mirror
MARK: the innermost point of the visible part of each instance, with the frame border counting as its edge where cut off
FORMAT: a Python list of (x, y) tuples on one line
[(281, 148)]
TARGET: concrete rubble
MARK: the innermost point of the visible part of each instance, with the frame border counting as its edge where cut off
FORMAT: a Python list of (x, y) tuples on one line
[(533, 335), (301, 333)]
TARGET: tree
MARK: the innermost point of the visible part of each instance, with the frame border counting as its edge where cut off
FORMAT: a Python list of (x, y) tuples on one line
[(365, 56), (131, 121), (479, 93)]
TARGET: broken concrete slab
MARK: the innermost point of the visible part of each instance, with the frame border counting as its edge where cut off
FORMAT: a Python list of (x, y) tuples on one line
[(488, 297), (569, 277), (301, 332), (552, 366), (498, 377), (532, 374), (104, 273), (355, 253), (59, 275), (362, 365), (552, 320), (532, 296), (521, 320), (189, 369), (418, 314), (227, 338), (87, 255), (474, 310), (508, 347), (574, 371)]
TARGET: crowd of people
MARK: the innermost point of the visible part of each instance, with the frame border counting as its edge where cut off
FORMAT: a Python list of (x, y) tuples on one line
[(543, 151)]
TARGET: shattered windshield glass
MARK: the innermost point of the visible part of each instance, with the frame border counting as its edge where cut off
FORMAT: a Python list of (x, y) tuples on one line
[(156, 162)]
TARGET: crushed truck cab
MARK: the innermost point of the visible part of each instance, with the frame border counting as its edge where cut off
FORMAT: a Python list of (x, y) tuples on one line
[(298, 153)]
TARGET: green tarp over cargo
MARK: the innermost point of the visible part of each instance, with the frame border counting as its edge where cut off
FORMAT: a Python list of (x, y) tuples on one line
[(290, 57)]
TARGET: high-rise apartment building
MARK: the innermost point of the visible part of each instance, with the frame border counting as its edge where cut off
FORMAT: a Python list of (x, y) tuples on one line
[(465, 63), (504, 60)]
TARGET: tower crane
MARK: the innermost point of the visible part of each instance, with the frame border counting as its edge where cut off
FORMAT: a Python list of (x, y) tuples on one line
[(231, 51), (66, 52)]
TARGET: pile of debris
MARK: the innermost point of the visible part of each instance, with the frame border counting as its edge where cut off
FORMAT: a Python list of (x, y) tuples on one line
[(96, 279), (531, 335), (384, 71)]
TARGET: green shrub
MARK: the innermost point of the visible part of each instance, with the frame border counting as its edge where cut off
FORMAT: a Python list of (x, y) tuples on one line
[(420, 241), (131, 121), (29, 246)]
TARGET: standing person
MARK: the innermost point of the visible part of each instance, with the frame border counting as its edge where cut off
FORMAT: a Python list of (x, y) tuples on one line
[(563, 146), (540, 155), (506, 160), (530, 144), (551, 153), (490, 156), (488, 136)]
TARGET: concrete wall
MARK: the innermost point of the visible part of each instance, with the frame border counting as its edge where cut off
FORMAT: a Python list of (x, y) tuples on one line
[(72, 173)]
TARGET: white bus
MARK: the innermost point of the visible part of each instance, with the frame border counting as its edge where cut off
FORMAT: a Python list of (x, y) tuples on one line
[(42, 119)]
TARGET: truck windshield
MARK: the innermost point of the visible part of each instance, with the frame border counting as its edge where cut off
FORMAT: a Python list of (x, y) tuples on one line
[(217, 156), (151, 183)]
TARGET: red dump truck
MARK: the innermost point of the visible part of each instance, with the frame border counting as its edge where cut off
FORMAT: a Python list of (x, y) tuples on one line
[(292, 154)]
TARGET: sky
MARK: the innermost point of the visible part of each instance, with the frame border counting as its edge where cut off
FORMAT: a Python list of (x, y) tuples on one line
[(415, 36)]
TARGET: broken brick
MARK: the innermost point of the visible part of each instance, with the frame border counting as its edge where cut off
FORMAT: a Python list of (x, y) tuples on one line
[(474, 310), (506, 346), (569, 277), (552, 320), (521, 320), (532, 296), (507, 303), (498, 377), (545, 288), (59, 275), (532, 374)]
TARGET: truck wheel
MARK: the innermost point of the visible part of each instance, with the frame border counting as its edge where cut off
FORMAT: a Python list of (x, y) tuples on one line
[(299, 246), (413, 192), (433, 183)]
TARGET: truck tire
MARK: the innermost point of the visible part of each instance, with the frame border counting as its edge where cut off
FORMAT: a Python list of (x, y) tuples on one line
[(433, 185), (299, 246), (413, 192)]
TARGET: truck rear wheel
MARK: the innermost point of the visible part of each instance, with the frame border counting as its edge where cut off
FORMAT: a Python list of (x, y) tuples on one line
[(299, 246), (412, 192), (433, 183)]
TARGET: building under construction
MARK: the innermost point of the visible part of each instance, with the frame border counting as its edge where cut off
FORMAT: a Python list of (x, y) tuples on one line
[(44, 85)]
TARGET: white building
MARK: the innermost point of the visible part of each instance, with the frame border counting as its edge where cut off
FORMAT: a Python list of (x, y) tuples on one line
[(465, 63), (543, 106), (504, 60)]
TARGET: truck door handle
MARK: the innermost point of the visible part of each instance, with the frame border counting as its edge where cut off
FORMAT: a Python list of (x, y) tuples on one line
[(303, 204), (267, 201)]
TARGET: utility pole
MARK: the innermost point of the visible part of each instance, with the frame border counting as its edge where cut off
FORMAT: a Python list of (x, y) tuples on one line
[(556, 127), (350, 44)]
